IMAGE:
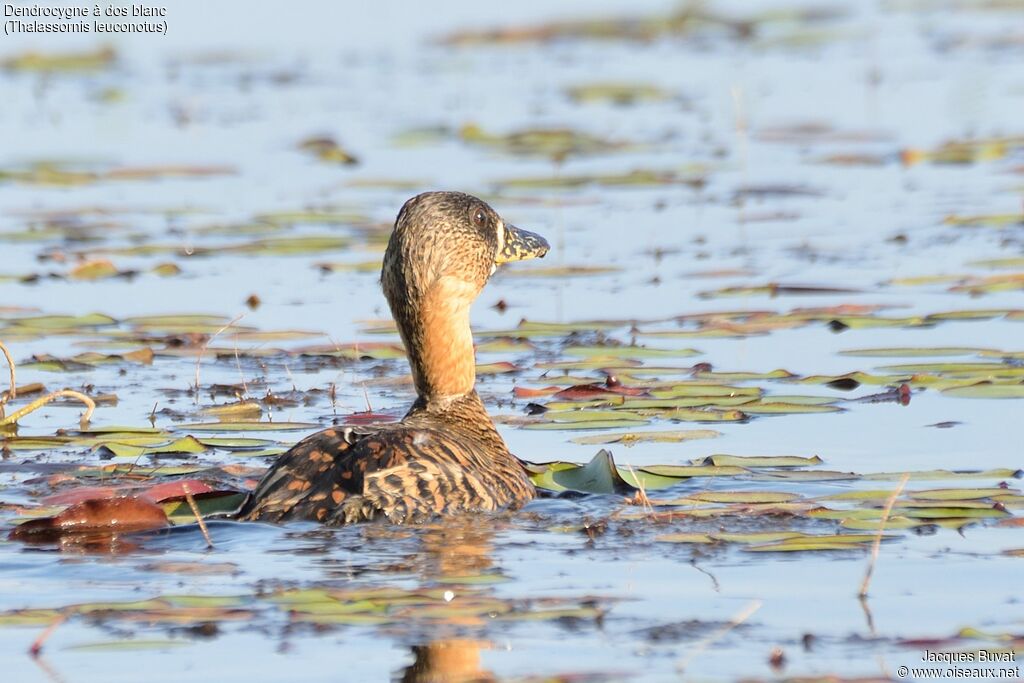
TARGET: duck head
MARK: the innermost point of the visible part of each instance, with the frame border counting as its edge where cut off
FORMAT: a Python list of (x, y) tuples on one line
[(444, 248)]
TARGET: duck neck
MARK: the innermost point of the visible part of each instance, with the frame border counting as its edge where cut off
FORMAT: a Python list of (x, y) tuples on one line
[(439, 341)]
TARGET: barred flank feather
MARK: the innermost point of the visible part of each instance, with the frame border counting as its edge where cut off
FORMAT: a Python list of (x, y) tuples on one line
[(432, 462)]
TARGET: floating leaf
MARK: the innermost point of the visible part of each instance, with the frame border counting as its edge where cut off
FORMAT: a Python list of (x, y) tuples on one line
[(959, 494), (180, 512), (912, 351), (617, 93), (637, 178), (704, 389), (105, 515), (773, 290), (556, 143), (894, 522), (244, 426), (327, 149), (756, 536), (684, 538), (779, 408), (811, 542), (631, 438), (687, 471), (598, 476), (186, 444), (745, 496), (986, 390), (627, 352), (94, 270), (92, 60), (590, 424), (760, 461), (558, 271), (240, 410), (63, 323)]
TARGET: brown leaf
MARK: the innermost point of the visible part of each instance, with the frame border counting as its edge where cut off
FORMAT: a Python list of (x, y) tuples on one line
[(584, 391), (110, 515)]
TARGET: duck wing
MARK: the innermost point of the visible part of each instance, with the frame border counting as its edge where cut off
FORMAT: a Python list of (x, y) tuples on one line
[(317, 474), (353, 474), (418, 489)]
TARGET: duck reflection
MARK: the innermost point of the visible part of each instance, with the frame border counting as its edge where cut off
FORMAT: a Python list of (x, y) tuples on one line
[(452, 548), (447, 661)]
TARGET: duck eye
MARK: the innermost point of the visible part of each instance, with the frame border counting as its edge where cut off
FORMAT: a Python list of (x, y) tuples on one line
[(479, 218)]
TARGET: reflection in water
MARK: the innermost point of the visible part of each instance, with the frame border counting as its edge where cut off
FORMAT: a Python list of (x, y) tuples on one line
[(447, 661), (451, 548)]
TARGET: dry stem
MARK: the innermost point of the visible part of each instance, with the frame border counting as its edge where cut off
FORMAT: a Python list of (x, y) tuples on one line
[(878, 536), (199, 517), (641, 494), (35, 405), (706, 642), (13, 391), (202, 350), (37, 644)]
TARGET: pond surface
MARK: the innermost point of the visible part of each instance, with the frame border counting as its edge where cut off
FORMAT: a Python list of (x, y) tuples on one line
[(759, 213)]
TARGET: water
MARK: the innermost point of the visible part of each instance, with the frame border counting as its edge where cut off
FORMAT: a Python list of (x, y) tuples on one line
[(242, 85)]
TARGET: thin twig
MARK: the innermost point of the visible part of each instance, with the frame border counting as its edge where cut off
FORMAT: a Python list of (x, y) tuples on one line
[(868, 616), (706, 642), (13, 391), (47, 670), (37, 644), (715, 586), (288, 371), (202, 349), (35, 405), (641, 493), (238, 364), (878, 536), (199, 517)]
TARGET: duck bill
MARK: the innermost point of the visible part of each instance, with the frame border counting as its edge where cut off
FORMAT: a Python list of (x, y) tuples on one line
[(521, 245)]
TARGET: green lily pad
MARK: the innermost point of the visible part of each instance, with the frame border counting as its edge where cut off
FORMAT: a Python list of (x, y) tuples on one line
[(631, 438), (986, 390), (756, 536), (691, 389), (245, 426), (64, 323), (895, 522), (687, 471), (780, 408), (627, 352), (960, 494), (180, 512), (715, 402), (598, 476), (760, 461), (579, 426), (186, 444), (29, 617), (684, 538), (745, 496), (913, 351)]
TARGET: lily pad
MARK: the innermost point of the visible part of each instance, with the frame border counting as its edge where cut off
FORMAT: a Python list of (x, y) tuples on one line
[(598, 476)]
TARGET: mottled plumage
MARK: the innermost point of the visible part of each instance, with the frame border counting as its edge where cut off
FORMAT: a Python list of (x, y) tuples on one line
[(444, 456)]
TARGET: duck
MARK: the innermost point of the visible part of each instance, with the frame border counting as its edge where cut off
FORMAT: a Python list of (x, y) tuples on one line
[(445, 456)]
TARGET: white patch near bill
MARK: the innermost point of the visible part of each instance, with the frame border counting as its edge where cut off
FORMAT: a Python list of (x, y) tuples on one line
[(500, 227)]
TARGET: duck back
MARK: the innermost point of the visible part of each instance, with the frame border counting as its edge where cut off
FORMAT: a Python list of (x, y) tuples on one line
[(436, 460)]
